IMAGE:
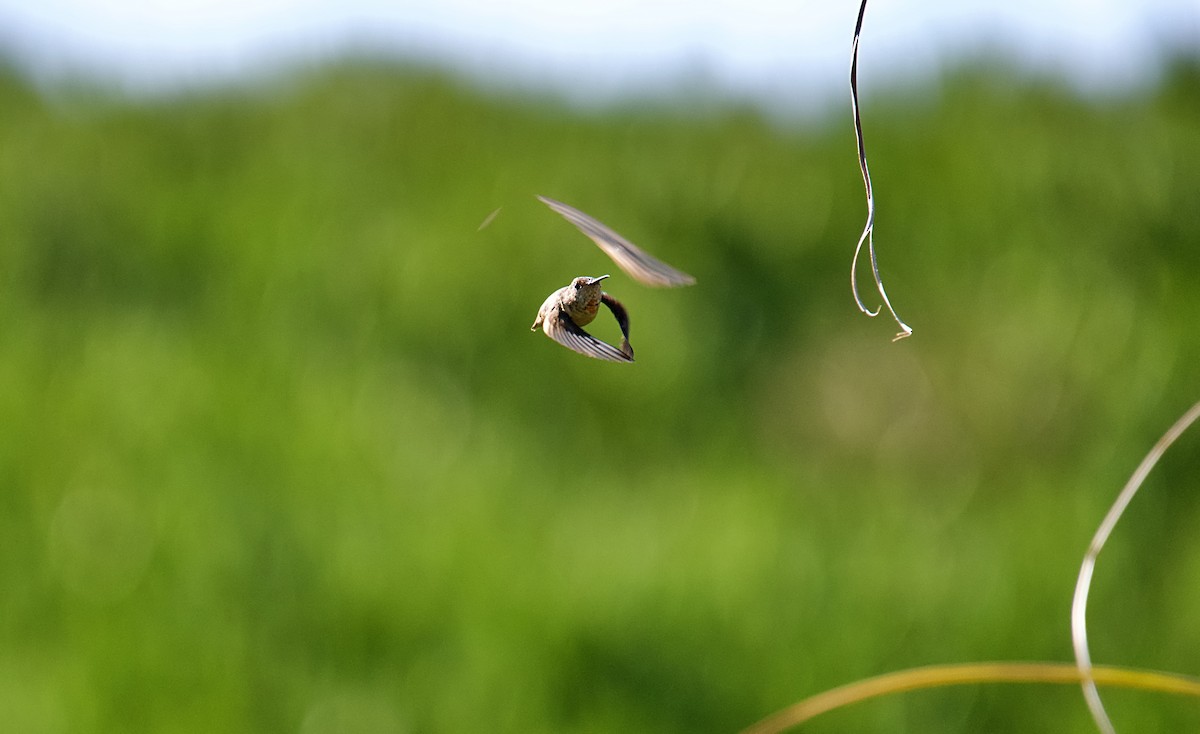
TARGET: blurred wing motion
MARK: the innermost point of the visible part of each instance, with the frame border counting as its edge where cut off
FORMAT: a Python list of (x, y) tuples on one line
[(637, 264), (559, 327)]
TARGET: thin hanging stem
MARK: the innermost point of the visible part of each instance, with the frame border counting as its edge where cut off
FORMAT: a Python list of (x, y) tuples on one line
[(868, 233), (1083, 659)]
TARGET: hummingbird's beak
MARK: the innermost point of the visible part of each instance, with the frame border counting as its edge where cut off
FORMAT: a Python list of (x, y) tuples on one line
[(594, 281)]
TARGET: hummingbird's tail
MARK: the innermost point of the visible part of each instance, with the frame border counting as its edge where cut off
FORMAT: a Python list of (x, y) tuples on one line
[(626, 349), (622, 317)]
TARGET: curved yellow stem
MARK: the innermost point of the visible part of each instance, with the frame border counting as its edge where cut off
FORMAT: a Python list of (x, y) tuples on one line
[(934, 676)]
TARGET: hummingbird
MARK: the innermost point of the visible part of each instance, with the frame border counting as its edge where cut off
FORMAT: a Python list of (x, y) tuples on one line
[(567, 310), (570, 308)]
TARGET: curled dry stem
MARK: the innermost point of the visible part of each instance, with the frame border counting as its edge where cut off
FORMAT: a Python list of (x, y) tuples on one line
[(868, 233)]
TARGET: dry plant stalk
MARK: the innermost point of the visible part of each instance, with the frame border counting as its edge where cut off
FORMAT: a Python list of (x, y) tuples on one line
[(1082, 671), (868, 233), (1083, 659), (935, 676)]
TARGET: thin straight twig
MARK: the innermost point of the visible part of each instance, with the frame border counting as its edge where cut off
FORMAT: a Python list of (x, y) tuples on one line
[(868, 233), (488, 219), (1083, 659)]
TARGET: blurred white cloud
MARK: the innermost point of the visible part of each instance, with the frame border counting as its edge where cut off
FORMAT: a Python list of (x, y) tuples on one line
[(756, 47)]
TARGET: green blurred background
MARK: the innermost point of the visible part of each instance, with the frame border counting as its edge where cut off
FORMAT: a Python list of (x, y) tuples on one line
[(278, 452)]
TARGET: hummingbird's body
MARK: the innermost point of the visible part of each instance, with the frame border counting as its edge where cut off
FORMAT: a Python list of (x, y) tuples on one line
[(581, 303), (567, 310)]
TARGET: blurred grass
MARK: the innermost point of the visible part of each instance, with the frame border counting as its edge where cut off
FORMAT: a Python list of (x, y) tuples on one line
[(280, 454)]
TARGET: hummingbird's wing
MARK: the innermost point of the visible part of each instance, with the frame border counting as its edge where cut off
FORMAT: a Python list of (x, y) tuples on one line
[(637, 264), (562, 329), (622, 315)]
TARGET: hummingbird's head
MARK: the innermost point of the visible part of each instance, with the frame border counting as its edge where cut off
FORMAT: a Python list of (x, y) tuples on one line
[(583, 281), (583, 293)]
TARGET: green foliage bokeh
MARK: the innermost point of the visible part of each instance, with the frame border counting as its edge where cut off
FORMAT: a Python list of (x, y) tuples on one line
[(278, 451)]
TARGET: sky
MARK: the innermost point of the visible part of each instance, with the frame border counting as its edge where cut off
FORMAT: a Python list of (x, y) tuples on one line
[(755, 48)]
